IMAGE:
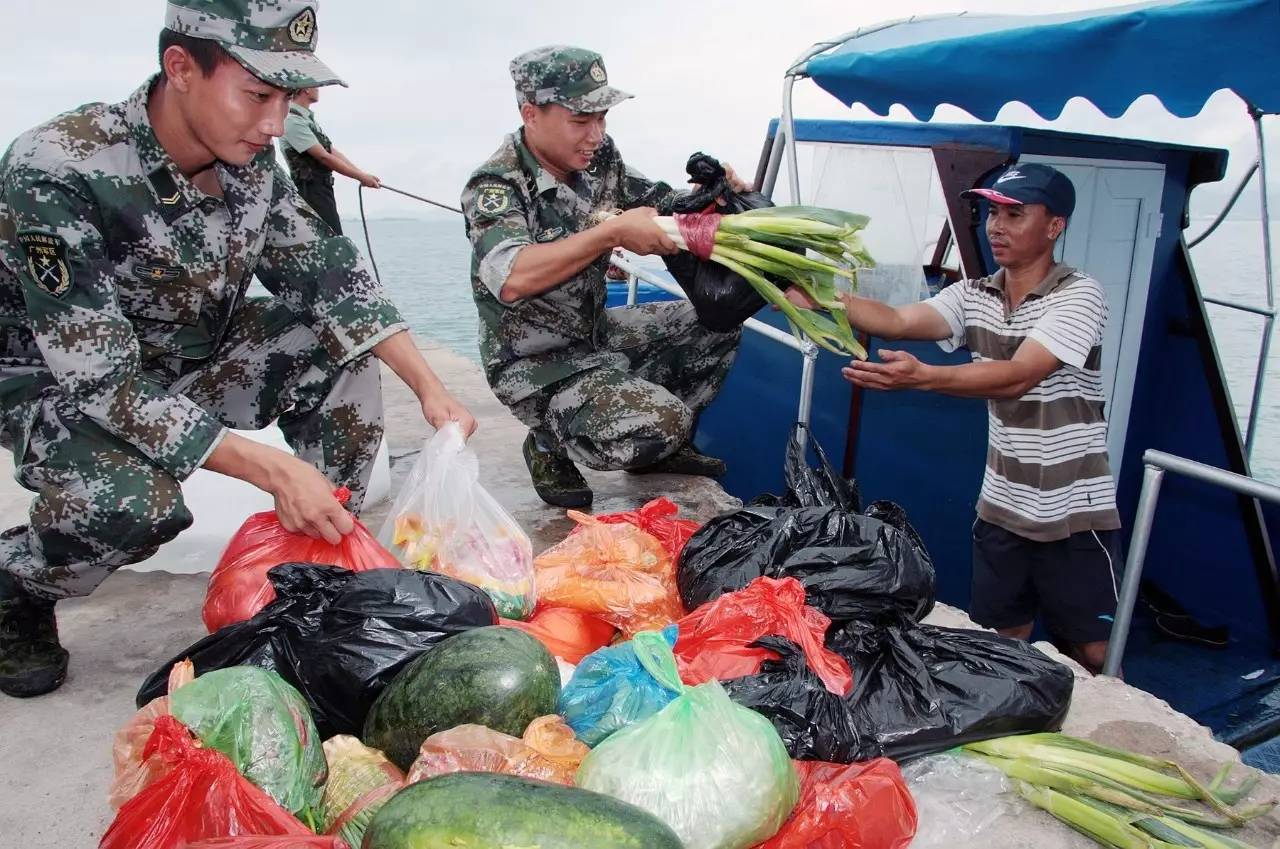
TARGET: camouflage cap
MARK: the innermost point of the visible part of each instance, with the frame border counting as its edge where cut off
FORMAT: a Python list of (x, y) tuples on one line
[(275, 40), (571, 76)]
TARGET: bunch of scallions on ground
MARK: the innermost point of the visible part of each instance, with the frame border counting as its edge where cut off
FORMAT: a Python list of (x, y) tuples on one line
[(1121, 799), (807, 246)]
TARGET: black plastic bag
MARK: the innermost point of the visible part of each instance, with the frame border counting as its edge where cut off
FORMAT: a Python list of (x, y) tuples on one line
[(722, 299), (815, 486), (815, 724), (919, 689), (339, 637), (852, 566)]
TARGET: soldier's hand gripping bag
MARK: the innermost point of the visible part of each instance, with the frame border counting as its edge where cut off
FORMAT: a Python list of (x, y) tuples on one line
[(852, 565), (339, 637), (721, 298)]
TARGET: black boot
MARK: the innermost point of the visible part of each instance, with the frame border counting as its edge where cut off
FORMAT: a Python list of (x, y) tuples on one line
[(556, 480), (686, 461), (32, 661)]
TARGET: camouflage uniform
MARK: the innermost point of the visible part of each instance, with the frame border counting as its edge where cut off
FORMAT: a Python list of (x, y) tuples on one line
[(616, 388), (128, 344)]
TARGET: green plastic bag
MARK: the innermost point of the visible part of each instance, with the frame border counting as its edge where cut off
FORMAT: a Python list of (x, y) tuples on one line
[(264, 726), (717, 773)]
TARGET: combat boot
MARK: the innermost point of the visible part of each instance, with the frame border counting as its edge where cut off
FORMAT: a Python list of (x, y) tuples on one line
[(686, 461), (556, 480), (32, 661)]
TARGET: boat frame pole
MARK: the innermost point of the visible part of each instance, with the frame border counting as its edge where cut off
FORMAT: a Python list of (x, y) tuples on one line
[(1260, 379)]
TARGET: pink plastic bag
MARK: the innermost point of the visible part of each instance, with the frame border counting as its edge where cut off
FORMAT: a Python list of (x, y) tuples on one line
[(658, 519), (849, 806), (547, 752), (133, 772)]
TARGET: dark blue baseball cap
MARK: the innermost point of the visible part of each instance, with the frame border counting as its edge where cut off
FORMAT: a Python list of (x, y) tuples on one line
[(1031, 183)]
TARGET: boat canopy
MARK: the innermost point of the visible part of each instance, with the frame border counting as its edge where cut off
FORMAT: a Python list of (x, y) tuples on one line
[(1181, 52)]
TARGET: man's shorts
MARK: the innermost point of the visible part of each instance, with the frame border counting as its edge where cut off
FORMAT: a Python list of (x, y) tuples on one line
[(1071, 583)]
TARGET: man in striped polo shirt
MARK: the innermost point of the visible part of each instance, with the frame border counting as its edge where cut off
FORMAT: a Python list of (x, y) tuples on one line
[(1044, 542)]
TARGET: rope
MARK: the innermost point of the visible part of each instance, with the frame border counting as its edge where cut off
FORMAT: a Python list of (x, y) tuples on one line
[(364, 222)]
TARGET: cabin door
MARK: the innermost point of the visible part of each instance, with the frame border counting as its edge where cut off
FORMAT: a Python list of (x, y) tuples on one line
[(1112, 238)]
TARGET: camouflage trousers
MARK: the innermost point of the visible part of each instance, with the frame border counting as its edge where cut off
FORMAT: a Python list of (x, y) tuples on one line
[(101, 504), (642, 408)]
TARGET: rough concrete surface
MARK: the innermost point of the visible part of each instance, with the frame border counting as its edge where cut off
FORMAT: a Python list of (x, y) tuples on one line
[(55, 752)]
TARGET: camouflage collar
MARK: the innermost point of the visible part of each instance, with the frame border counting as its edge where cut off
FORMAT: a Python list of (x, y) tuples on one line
[(175, 195), (539, 177)]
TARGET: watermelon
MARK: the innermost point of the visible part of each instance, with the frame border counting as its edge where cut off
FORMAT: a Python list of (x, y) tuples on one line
[(497, 677), (481, 809)]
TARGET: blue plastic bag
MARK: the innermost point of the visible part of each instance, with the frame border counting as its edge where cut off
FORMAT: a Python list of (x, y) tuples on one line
[(614, 687)]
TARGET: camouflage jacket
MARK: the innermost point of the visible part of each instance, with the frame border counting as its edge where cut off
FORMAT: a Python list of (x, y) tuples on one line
[(116, 273), (510, 202)]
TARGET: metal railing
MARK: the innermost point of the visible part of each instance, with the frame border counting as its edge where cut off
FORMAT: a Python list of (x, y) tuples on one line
[(807, 350), (1155, 464)]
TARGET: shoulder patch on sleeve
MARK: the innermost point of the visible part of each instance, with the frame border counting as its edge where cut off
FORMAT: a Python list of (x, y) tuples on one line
[(494, 198), (47, 261)]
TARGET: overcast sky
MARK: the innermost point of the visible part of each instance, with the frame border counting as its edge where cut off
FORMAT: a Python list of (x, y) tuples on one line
[(430, 95)]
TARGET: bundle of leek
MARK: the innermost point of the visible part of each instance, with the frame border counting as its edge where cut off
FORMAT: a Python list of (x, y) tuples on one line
[(807, 246), (1119, 798)]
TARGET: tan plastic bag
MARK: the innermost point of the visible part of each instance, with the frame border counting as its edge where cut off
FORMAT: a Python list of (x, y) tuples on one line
[(132, 772), (548, 752)]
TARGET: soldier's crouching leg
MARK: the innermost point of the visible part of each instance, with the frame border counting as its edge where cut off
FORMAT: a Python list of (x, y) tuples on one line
[(609, 420), (99, 505)]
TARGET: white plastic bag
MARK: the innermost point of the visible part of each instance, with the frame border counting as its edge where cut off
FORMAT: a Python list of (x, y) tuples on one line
[(445, 521)]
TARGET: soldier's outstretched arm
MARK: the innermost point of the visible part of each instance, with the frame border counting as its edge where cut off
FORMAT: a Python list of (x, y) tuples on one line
[(69, 287)]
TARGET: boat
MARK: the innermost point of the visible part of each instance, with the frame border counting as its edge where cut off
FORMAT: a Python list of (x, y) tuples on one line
[(1205, 550)]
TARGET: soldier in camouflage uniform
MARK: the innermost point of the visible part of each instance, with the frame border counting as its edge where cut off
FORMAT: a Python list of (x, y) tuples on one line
[(128, 236), (610, 389)]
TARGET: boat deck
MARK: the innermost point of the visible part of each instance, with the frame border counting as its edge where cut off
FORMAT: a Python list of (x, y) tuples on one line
[(56, 763)]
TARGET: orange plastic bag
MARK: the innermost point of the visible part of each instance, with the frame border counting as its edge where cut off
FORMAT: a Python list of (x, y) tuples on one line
[(658, 519), (202, 797), (848, 806), (256, 842), (548, 751), (568, 634), (238, 587), (134, 772), (715, 639), (614, 571)]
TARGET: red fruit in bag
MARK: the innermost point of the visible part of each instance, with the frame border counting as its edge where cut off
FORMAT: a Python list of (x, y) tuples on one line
[(853, 806), (714, 641), (568, 634), (238, 587), (205, 796)]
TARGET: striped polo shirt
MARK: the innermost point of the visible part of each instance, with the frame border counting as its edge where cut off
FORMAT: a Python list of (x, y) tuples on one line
[(1047, 473)]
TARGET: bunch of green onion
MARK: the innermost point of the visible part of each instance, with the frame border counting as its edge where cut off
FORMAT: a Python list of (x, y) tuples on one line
[(1119, 798), (807, 246)]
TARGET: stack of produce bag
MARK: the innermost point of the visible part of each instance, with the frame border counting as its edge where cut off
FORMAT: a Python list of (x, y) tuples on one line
[(500, 678), (616, 572), (203, 796), (547, 751), (444, 521), (238, 587), (715, 772), (339, 637), (361, 780), (616, 687)]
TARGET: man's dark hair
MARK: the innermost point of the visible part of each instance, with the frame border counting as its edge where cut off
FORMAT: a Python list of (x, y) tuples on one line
[(208, 54)]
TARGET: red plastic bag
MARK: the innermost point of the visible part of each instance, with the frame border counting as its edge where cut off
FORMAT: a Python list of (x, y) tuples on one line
[(133, 771), (238, 587), (256, 842), (848, 806), (657, 518), (203, 797), (714, 641), (568, 634)]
